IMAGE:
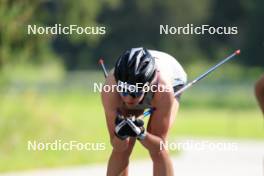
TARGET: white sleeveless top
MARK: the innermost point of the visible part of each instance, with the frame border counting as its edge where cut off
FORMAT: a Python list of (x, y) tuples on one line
[(169, 67)]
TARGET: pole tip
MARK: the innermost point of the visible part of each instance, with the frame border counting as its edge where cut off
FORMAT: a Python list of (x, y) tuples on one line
[(101, 61), (237, 52)]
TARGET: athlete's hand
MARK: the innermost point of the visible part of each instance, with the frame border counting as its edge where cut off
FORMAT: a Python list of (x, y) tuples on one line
[(129, 127), (121, 127), (136, 128)]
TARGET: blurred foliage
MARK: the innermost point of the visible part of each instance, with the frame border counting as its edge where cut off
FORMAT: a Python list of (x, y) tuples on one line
[(17, 47), (137, 23), (247, 15), (128, 24)]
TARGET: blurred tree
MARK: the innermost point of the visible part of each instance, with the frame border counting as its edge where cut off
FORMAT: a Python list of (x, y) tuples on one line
[(227, 14), (16, 46), (254, 37), (136, 23), (129, 24), (247, 16), (76, 50)]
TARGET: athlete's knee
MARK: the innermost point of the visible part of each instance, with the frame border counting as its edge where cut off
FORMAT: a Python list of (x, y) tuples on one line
[(120, 147), (157, 155), (123, 154), (125, 149)]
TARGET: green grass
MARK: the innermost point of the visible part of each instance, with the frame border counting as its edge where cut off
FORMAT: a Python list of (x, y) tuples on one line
[(207, 110), (246, 124)]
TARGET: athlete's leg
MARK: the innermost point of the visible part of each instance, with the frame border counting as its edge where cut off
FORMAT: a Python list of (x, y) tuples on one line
[(119, 160), (162, 164), (259, 91)]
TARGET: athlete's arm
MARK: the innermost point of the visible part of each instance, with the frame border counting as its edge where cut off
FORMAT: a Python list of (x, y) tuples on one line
[(259, 90), (110, 103), (161, 120)]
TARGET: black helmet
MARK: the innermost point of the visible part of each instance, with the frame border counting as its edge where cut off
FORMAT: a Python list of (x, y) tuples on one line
[(135, 66)]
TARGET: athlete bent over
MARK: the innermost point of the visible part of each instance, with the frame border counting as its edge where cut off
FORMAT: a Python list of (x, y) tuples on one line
[(148, 68)]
